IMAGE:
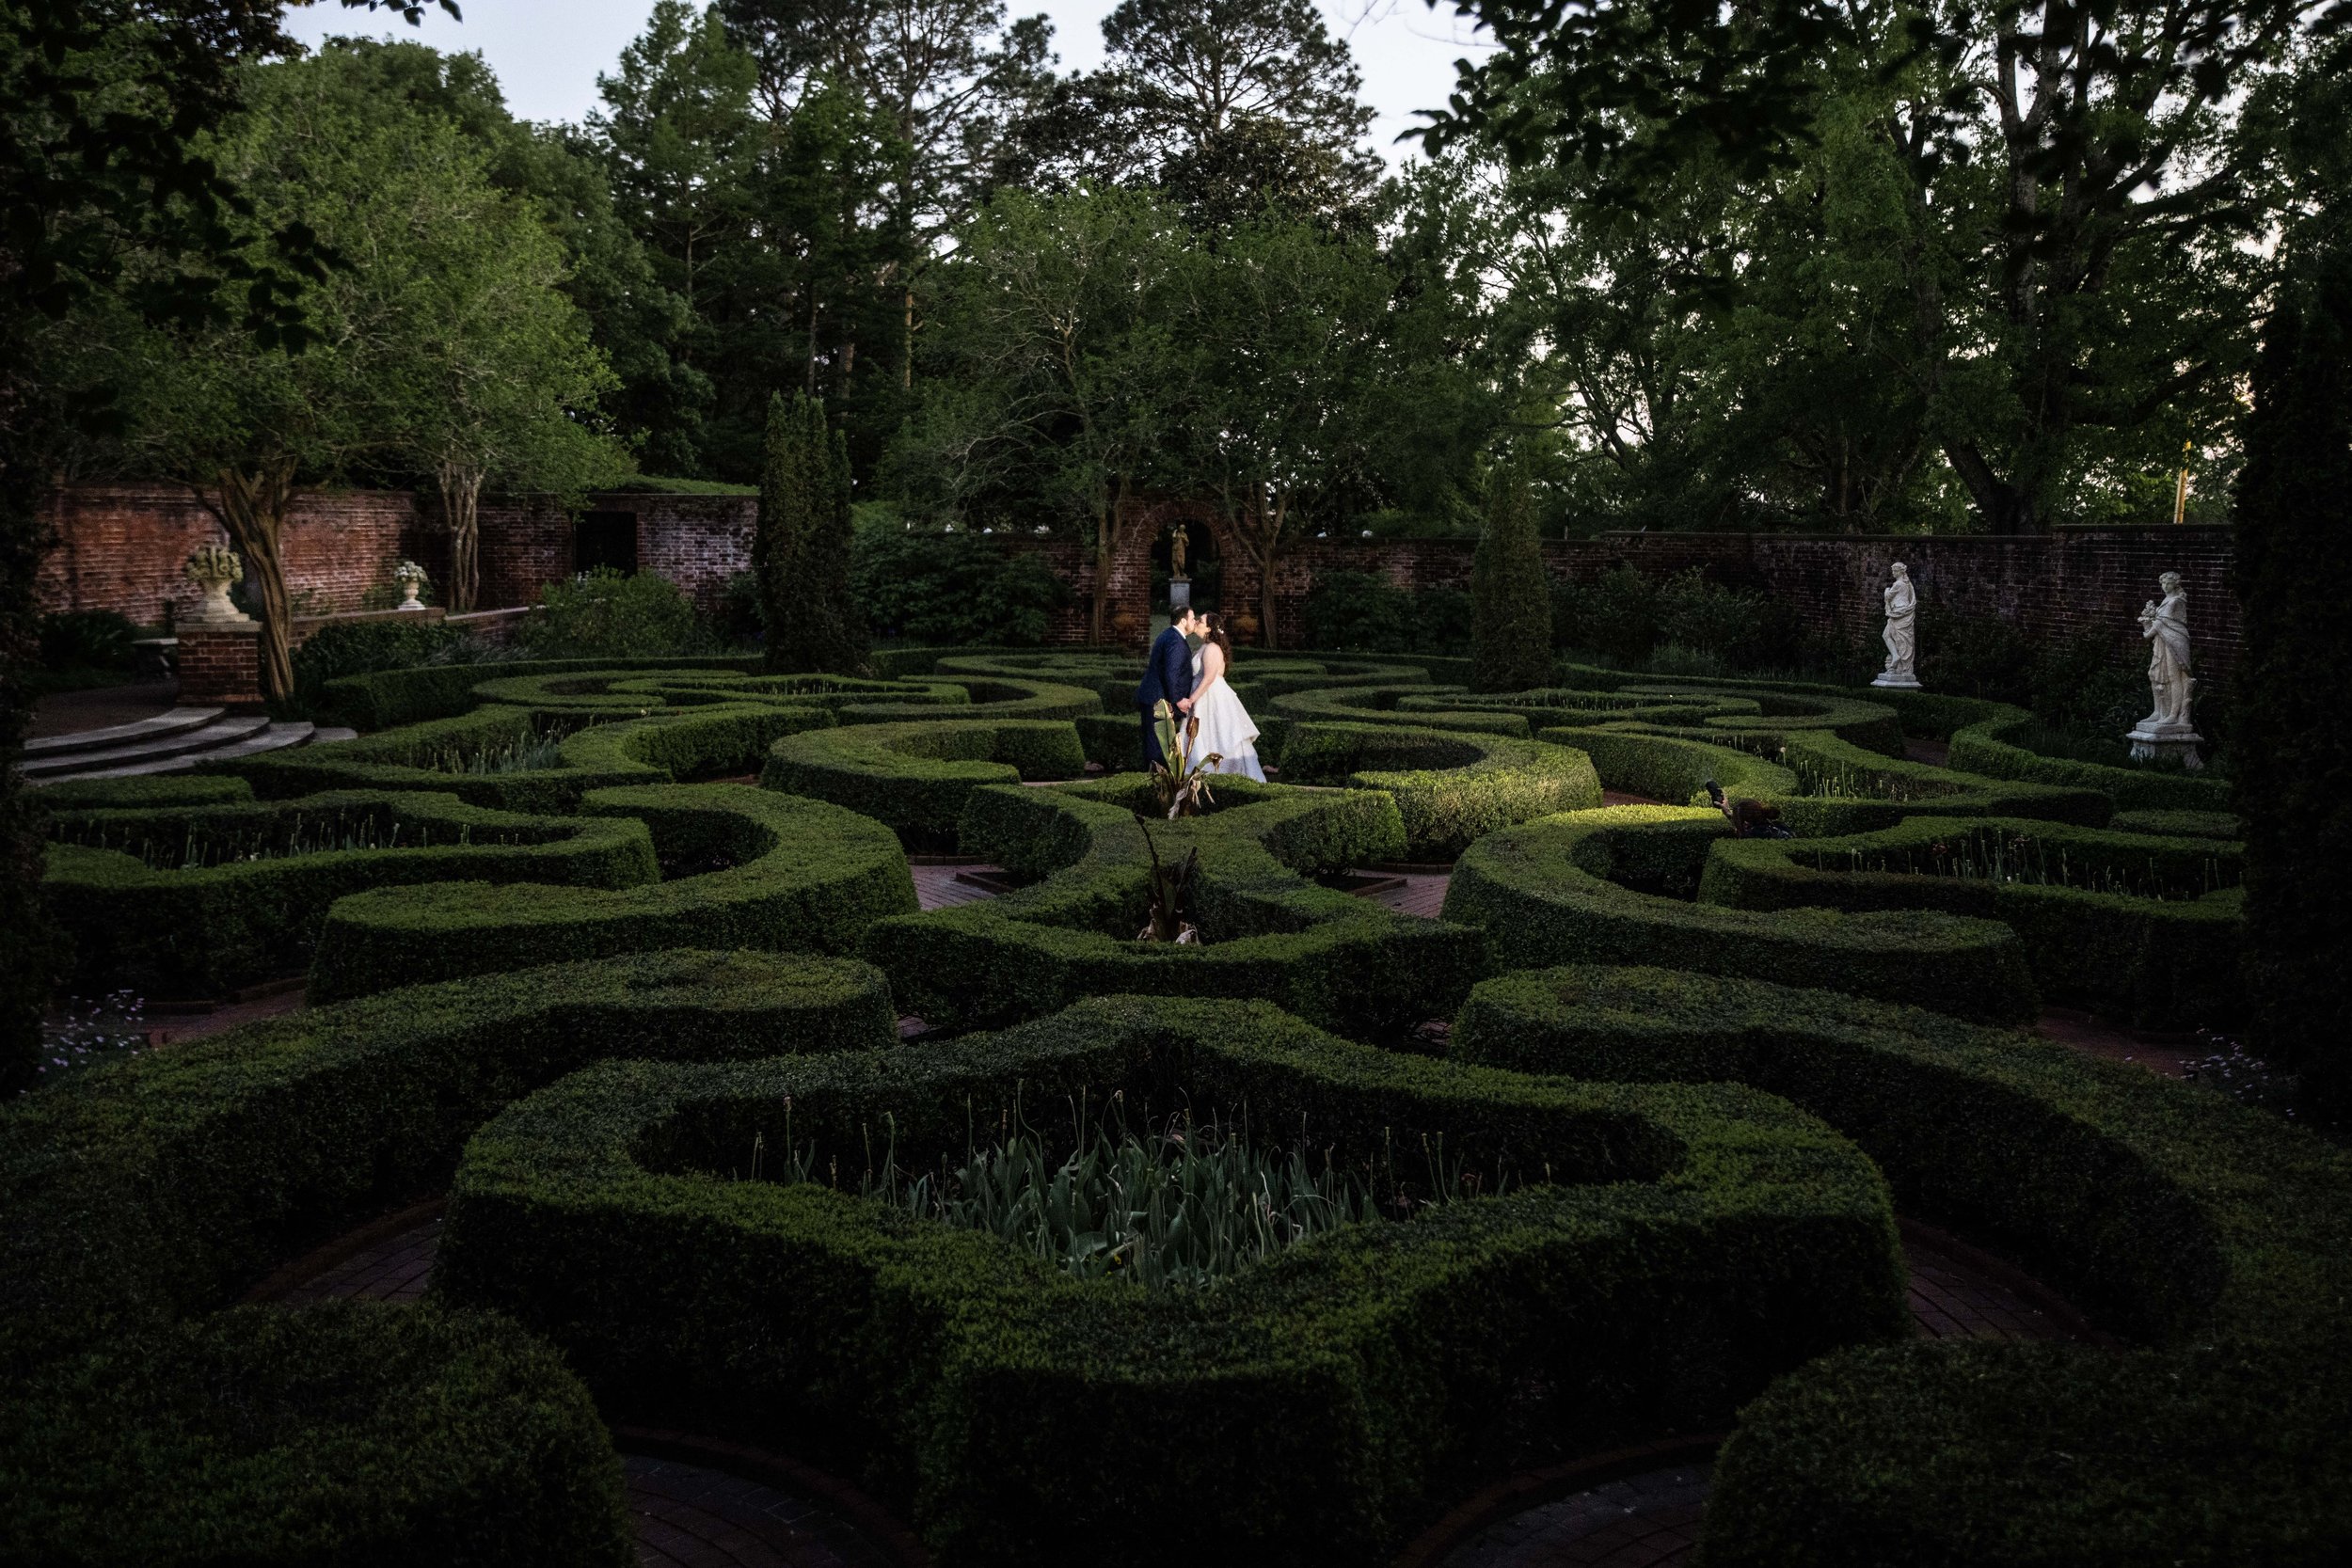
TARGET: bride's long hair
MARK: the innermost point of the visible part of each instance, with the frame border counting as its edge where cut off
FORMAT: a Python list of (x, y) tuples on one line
[(1218, 634)]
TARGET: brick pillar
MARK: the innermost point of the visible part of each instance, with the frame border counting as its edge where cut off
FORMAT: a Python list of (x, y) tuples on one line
[(220, 666)]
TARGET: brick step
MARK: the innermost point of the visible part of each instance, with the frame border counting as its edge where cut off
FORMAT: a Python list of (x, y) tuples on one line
[(160, 727)]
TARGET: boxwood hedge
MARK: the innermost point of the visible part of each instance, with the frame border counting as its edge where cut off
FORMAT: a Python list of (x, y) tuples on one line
[(749, 868), (1617, 886), (391, 697), (916, 777), (2147, 927), (2218, 1238), (136, 1194), (177, 929), (1340, 961), (663, 746), (350, 1433), (1450, 787), (1988, 747), (1677, 1247)]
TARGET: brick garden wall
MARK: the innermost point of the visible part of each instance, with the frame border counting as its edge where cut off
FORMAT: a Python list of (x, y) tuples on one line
[(120, 546)]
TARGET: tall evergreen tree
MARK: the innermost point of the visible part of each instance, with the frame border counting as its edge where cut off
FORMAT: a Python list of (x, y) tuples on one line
[(1510, 599), (2295, 758), (801, 548)]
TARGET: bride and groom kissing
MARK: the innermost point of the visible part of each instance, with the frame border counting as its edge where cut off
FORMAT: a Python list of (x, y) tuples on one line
[(1195, 686)]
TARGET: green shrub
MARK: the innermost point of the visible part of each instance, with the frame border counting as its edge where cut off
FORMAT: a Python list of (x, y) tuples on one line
[(393, 697), (2207, 1231), (211, 927), (1690, 1241), (953, 590), (167, 1184), (2179, 824), (1511, 633), (87, 640), (349, 1432), (161, 789), (916, 777), (1451, 786), (2147, 927), (801, 546), (341, 648), (1365, 613), (1617, 886), (1337, 961), (747, 868), (612, 614)]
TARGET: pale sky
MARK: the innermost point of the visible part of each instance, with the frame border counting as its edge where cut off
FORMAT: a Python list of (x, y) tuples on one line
[(547, 53)]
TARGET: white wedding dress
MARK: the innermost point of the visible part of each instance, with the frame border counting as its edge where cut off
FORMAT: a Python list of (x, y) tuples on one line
[(1225, 727)]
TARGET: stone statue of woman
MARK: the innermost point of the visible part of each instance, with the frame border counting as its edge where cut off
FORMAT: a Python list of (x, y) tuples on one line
[(1902, 633), (2168, 730)]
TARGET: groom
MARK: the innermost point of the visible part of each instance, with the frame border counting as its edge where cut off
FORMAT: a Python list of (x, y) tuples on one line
[(1166, 676)]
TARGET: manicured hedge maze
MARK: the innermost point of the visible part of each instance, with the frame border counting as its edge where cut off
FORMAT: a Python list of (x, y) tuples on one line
[(1626, 885), (2147, 927), (136, 1198), (1685, 1225), (2215, 1237), (1659, 1250), (145, 905), (756, 870), (1342, 962)]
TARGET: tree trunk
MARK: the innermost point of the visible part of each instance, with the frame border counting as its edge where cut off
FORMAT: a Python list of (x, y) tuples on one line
[(252, 507), (461, 495)]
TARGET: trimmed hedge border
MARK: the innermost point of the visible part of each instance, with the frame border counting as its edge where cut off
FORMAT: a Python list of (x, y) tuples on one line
[(204, 931), (351, 1432), (1823, 786), (2211, 1232), (1701, 1238), (798, 875), (1339, 962), (1984, 748), (1551, 892), (165, 790), (1451, 788), (658, 748), (2171, 962), (136, 1194), (392, 697), (915, 777)]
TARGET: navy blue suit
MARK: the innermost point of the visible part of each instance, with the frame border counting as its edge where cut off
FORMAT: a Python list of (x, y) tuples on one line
[(1167, 677)]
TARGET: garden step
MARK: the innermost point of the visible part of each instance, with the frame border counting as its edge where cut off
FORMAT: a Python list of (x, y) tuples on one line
[(208, 738), (248, 737), (161, 725)]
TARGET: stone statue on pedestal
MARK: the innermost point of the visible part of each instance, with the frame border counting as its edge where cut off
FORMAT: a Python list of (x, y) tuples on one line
[(2168, 730), (1179, 585), (1902, 633)]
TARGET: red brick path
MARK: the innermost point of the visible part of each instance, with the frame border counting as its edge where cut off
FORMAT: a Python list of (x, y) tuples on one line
[(688, 1516)]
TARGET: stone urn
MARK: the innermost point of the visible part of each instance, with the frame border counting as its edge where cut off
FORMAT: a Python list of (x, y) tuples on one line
[(1245, 625), (213, 568), (1128, 627), (411, 580)]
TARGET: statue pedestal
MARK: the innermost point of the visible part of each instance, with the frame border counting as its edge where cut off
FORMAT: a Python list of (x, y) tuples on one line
[(2151, 742), (1896, 682), (1179, 594)]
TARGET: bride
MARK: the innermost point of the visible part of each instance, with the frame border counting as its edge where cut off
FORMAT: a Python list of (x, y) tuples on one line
[(1225, 726)]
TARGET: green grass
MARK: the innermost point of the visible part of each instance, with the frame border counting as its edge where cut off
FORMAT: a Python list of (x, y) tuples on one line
[(1185, 1206)]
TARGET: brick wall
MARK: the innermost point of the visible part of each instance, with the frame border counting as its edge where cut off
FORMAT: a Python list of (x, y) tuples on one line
[(120, 546), (220, 665), (2051, 587)]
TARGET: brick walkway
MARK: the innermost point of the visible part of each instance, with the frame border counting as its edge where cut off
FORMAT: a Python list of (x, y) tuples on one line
[(1422, 893), (692, 1517), (940, 885), (1638, 1522)]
